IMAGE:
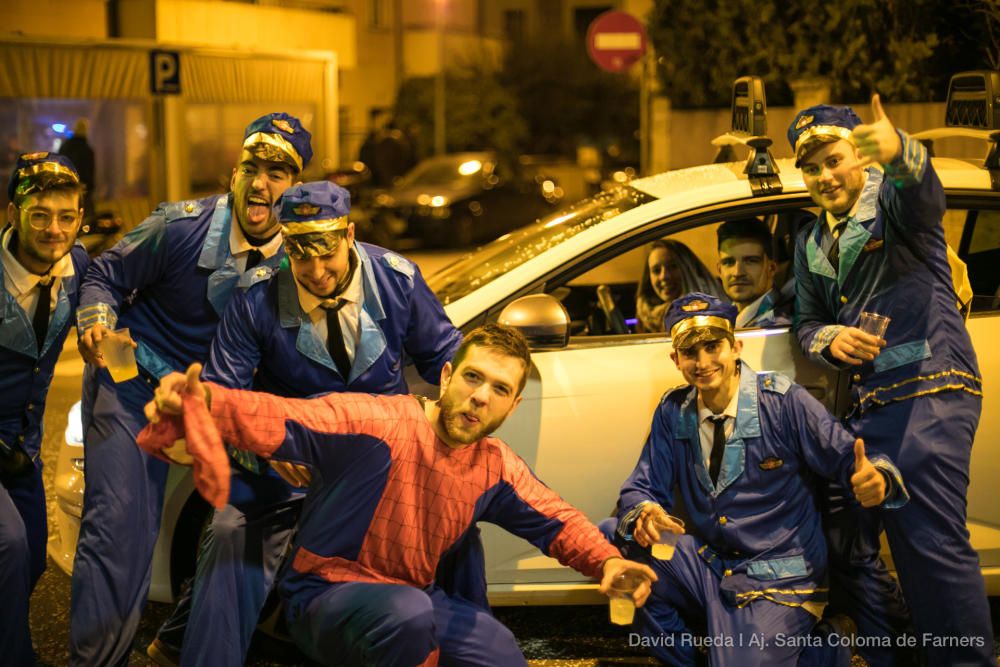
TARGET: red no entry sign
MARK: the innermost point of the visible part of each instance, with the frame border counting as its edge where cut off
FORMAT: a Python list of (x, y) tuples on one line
[(616, 40)]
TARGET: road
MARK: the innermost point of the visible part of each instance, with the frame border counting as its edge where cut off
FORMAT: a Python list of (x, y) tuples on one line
[(549, 636)]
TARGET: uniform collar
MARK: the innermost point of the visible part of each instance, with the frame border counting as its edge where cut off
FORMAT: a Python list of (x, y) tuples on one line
[(748, 314), (704, 412), (747, 413), (215, 250), (238, 243), (352, 293)]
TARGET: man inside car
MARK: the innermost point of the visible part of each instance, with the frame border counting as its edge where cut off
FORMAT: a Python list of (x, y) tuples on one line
[(742, 451), (747, 270), (399, 481), (878, 246)]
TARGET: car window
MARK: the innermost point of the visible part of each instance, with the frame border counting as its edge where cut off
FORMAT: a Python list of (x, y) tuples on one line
[(610, 297), (979, 246), (511, 250)]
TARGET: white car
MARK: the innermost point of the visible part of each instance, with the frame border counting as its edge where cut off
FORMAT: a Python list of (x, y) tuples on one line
[(590, 398)]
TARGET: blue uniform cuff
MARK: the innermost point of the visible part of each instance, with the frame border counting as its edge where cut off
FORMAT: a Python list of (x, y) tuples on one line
[(97, 313), (896, 494), (909, 166), (821, 343), (627, 523)]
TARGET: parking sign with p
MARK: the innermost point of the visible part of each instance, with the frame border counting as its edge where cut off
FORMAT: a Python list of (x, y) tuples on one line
[(165, 72)]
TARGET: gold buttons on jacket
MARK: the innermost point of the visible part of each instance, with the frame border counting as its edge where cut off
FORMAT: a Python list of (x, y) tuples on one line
[(857, 377), (723, 521), (843, 299), (727, 573)]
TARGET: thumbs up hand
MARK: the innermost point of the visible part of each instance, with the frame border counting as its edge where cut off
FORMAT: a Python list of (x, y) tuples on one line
[(877, 141), (867, 482)]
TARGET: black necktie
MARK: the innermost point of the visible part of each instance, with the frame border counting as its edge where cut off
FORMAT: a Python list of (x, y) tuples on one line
[(834, 254), (335, 339), (718, 447), (253, 258), (40, 322)]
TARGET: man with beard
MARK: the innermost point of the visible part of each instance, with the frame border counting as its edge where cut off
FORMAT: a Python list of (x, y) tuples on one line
[(747, 270), (40, 272), (168, 281), (400, 479), (878, 245), (340, 317)]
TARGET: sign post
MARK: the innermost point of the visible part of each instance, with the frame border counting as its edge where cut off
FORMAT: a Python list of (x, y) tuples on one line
[(616, 41)]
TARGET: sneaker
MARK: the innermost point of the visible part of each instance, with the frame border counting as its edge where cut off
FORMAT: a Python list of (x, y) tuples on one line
[(162, 654)]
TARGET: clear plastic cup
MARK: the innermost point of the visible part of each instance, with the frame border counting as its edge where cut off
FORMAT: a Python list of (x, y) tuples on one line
[(664, 548), (119, 355), (874, 324), (621, 606)]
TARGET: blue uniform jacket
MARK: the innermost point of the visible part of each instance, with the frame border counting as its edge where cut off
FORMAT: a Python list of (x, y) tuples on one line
[(169, 281), (893, 261), (761, 523), (26, 372), (265, 329)]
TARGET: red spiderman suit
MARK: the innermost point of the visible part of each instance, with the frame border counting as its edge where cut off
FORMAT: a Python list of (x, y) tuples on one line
[(388, 499)]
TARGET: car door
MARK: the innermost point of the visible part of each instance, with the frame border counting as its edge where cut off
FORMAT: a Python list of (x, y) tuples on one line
[(972, 224), (587, 407)]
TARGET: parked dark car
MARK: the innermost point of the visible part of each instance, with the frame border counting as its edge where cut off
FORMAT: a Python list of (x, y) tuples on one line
[(460, 199)]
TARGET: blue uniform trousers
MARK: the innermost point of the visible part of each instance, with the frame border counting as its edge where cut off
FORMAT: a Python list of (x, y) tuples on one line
[(239, 557), (392, 625), (930, 440), (23, 533), (122, 504), (686, 611), (234, 578)]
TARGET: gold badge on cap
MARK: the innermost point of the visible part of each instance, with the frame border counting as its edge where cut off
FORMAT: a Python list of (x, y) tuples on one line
[(695, 306), (283, 125), (306, 210), (805, 120), (41, 155)]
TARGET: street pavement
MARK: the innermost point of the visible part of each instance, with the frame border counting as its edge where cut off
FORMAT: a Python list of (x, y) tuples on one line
[(549, 636)]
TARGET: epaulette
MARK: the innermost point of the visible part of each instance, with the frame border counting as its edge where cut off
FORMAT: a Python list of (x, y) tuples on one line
[(776, 382), (399, 264), (680, 391), (177, 210)]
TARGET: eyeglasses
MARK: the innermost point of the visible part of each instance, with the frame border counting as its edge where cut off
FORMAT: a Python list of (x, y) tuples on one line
[(40, 220)]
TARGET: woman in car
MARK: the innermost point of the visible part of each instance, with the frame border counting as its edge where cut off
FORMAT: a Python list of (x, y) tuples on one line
[(671, 269)]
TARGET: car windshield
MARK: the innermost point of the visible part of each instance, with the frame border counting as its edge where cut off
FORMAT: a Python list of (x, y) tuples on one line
[(511, 250), (453, 170)]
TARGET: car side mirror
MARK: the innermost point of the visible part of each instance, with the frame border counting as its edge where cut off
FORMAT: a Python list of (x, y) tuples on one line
[(541, 318)]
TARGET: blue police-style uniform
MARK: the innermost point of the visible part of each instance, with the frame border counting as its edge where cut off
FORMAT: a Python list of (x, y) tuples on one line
[(918, 402), (760, 554), (168, 281), (25, 375), (265, 330), (24, 385), (755, 565)]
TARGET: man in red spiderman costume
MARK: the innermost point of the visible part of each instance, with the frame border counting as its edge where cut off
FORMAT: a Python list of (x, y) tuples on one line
[(397, 480)]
